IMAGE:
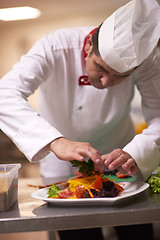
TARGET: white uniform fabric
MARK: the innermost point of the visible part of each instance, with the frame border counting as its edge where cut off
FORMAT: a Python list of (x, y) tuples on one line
[(81, 113)]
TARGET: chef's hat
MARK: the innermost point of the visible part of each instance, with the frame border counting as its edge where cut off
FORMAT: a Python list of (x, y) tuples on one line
[(130, 34)]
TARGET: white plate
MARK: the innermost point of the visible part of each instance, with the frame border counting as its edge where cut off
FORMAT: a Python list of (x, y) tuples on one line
[(130, 189)]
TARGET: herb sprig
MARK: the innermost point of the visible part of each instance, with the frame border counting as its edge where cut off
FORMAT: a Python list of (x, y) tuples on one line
[(53, 191), (85, 167), (154, 182)]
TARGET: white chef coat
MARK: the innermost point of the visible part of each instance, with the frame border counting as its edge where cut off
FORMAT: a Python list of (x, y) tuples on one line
[(81, 113)]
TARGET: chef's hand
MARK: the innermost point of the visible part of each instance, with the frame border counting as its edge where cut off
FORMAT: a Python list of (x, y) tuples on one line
[(121, 160), (68, 150)]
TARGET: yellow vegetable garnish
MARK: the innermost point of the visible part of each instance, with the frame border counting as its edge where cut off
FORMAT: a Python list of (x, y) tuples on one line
[(86, 181)]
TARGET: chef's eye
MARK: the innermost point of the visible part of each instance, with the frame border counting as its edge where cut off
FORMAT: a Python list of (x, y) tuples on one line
[(125, 76), (121, 77), (101, 68), (98, 67)]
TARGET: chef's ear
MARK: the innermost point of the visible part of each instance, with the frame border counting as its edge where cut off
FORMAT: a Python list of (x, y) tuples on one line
[(89, 44)]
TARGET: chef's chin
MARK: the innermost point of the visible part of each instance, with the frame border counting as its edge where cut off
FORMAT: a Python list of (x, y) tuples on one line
[(97, 85)]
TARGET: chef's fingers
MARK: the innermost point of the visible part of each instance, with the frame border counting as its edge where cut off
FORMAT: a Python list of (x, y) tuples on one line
[(133, 170), (99, 167), (104, 157), (75, 156), (80, 150), (111, 157), (68, 150), (90, 152), (123, 160), (118, 158), (128, 172), (130, 166)]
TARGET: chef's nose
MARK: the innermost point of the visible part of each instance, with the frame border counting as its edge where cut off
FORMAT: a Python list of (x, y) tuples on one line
[(106, 80), (106, 76)]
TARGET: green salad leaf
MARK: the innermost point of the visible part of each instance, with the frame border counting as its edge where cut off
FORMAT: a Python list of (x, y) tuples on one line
[(85, 167), (154, 182), (53, 191)]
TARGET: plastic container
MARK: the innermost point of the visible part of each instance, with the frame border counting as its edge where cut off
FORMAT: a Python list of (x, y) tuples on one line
[(8, 185)]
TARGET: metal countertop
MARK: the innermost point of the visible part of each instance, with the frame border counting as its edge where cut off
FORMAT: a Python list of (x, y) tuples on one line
[(29, 214)]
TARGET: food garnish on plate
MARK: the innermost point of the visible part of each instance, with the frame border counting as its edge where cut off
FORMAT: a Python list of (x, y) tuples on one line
[(90, 184)]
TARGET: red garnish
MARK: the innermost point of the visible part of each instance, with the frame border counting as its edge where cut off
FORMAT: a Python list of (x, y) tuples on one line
[(121, 175), (98, 183), (65, 194), (80, 191)]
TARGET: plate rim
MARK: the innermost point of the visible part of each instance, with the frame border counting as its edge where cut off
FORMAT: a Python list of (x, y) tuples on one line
[(106, 200)]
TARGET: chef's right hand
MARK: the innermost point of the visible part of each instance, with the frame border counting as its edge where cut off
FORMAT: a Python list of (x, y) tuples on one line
[(68, 150)]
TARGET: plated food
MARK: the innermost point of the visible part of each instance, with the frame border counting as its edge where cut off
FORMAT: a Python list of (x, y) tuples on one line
[(93, 186), (130, 190), (89, 184), (89, 189)]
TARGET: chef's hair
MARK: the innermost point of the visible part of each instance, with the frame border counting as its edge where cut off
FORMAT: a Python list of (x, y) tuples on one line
[(95, 42)]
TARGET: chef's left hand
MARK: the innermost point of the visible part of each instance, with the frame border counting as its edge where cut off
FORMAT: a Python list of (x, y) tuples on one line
[(120, 160)]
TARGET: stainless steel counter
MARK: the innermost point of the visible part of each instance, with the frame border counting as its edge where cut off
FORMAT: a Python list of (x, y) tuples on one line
[(29, 214)]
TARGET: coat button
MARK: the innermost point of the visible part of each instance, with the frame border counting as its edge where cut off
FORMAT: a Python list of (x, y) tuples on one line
[(80, 108), (83, 80)]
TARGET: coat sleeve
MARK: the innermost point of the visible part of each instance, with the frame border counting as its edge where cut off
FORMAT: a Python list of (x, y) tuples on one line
[(27, 129), (145, 147)]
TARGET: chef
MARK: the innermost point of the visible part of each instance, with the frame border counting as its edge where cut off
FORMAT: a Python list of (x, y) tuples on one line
[(86, 78)]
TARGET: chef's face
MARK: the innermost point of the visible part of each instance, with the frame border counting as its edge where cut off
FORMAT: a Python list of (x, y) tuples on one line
[(100, 74)]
